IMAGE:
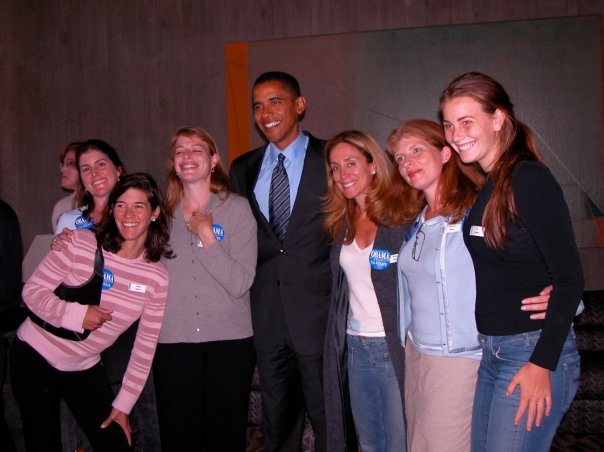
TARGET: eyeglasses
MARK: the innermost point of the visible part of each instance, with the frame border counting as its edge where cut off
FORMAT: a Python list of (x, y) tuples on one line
[(416, 251)]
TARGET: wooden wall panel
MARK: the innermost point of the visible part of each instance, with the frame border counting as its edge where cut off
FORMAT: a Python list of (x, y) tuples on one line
[(131, 72)]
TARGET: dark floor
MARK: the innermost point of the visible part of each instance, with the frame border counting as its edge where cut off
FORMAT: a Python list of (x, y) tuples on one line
[(563, 442), (568, 442)]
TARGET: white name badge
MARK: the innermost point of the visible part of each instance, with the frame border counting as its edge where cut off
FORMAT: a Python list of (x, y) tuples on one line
[(453, 228), (477, 231), (140, 288)]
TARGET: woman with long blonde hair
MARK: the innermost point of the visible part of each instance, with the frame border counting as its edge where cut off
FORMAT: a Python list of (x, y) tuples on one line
[(364, 360)]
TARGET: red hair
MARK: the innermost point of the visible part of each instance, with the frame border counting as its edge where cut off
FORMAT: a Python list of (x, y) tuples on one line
[(458, 184)]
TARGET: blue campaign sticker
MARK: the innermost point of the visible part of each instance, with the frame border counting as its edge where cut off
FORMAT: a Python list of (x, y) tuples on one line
[(83, 223), (108, 279), (218, 232), (379, 259)]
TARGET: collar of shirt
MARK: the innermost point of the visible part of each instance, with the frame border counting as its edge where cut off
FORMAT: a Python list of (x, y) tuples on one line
[(294, 164), (294, 154)]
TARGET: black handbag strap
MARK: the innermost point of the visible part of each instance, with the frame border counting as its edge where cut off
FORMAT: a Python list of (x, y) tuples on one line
[(88, 293)]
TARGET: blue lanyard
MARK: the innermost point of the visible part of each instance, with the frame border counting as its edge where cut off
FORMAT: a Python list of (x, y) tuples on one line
[(412, 232), (463, 220)]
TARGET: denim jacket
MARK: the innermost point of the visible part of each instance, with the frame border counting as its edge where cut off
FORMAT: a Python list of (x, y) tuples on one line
[(456, 295)]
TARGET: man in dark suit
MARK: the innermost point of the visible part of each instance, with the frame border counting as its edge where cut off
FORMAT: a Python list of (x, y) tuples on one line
[(290, 294)]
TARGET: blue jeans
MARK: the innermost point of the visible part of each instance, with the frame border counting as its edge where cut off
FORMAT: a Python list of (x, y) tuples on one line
[(493, 426), (375, 396)]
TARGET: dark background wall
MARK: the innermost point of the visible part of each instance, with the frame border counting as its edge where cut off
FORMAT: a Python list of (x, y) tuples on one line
[(374, 80), (132, 72)]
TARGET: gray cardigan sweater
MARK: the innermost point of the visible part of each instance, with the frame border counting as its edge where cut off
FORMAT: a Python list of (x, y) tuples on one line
[(209, 294)]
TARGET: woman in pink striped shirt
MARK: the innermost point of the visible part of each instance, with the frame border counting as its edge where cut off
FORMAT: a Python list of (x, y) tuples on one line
[(45, 367)]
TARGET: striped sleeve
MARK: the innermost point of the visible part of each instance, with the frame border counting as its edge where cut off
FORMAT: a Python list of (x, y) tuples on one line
[(73, 266), (145, 343)]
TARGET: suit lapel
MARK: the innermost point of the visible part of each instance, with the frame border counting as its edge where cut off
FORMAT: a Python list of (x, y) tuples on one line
[(251, 176), (312, 186)]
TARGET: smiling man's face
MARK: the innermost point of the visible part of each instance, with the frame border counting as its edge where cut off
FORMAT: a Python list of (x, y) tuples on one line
[(276, 111)]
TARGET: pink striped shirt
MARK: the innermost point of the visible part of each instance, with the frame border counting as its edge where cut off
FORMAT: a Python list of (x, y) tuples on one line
[(138, 289)]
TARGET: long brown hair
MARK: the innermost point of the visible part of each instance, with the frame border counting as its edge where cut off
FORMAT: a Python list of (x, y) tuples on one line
[(383, 198), (458, 184), (219, 180), (515, 144)]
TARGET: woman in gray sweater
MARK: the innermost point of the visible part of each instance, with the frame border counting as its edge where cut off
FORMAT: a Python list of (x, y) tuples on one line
[(205, 358)]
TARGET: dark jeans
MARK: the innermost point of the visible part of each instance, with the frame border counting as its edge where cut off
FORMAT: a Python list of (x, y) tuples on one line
[(202, 393), (38, 387), (143, 419)]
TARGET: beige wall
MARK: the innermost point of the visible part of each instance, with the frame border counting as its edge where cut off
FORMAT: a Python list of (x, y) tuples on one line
[(130, 72)]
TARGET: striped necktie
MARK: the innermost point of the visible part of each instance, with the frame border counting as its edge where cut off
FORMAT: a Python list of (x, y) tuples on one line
[(278, 199)]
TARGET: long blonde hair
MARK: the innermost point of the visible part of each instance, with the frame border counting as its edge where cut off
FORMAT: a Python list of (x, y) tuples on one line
[(382, 202)]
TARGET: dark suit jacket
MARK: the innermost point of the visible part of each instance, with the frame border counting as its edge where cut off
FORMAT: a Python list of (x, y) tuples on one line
[(340, 428), (293, 279)]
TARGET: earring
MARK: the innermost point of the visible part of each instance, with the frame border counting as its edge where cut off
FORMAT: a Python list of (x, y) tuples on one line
[(373, 173), (213, 169)]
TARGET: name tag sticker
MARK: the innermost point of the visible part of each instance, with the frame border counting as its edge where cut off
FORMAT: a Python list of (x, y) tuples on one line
[(453, 228), (140, 288), (477, 231), (393, 258)]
